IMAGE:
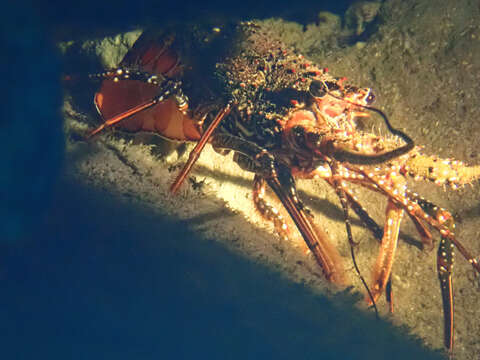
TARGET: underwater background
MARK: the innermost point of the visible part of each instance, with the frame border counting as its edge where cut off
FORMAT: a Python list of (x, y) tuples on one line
[(96, 263)]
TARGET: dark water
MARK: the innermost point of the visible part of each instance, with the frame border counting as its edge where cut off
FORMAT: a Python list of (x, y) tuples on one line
[(89, 16), (88, 286), (75, 283)]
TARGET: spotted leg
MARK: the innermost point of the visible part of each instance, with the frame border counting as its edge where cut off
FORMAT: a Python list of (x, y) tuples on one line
[(445, 256), (444, 268), (423, 211), (266, 210), (278, 176), (343, 191)]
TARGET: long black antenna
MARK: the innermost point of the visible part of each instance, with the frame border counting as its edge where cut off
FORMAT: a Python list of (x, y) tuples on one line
[(362, 159), (344, 202)]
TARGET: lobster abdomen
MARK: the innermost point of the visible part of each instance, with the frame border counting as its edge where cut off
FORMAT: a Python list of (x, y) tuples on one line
[(164, 118)]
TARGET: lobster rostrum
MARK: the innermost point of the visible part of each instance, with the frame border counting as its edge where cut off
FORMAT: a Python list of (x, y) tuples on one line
[(242, 90)]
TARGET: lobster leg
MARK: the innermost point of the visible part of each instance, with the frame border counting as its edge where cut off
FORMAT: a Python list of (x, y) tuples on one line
[(195, 153), (352, 201), (383, 265), (377, 232), (444, 269), (265, 209), (445, 256), (279, 178), (421, 210)]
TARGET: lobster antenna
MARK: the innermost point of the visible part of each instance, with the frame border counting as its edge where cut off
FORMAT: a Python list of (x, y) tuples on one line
[(344, 202), (355, 158)]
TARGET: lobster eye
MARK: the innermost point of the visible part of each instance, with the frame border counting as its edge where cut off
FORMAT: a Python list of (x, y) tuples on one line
[(314, 139), (370, 98), (299, 132), (318, 89)]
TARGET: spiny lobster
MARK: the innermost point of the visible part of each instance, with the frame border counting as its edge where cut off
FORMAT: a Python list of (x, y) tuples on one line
[(242, 90)]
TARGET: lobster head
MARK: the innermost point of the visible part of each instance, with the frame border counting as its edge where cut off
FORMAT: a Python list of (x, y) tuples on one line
[(328, 119)]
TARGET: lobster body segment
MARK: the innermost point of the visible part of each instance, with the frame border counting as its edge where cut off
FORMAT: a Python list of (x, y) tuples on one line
[(165, 118), (284, 117)]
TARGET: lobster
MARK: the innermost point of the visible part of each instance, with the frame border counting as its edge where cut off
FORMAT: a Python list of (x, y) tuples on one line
[(239, 89)]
